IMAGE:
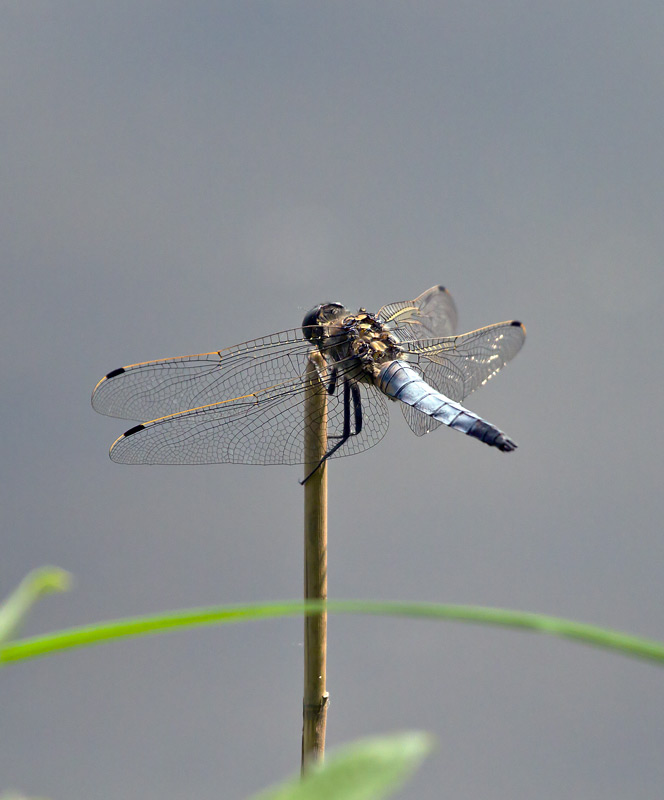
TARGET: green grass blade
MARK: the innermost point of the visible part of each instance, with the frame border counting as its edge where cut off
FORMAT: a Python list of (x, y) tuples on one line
[(15, 796), (635, 646), (368, 769), (16, 607)]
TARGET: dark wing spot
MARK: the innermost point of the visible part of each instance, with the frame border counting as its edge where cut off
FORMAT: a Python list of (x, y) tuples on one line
[(133, 430), (114, 373)]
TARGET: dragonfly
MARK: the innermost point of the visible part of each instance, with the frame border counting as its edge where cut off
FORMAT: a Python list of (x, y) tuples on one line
[(245, 404)]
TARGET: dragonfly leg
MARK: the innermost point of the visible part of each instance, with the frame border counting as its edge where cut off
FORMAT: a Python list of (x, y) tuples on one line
[(357, 408), (351, 394), (332, 385)]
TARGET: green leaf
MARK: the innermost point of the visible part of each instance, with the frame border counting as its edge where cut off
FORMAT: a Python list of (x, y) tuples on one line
[(364, 770), (16, 796), (635, 646), (35, 584)]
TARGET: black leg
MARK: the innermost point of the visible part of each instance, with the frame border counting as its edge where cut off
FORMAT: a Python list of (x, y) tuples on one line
[(351, 390), (357, 407), (332, 385)]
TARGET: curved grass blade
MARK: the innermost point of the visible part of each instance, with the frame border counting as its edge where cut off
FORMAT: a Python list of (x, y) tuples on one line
[(634, 646), (37, 583)]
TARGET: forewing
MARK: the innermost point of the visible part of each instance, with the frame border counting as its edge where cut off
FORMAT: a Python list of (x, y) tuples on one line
[(156, 389), (267, 428), (432, 314), (457, 365)]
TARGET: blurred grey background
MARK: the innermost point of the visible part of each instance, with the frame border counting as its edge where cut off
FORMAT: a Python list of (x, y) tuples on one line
[(177, 178)]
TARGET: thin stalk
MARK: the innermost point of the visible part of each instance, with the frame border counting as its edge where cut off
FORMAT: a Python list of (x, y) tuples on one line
[(315, 700)]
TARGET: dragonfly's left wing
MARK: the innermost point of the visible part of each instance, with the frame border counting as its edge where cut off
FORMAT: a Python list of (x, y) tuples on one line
[(155, 389), (264, 428), (457, 365)]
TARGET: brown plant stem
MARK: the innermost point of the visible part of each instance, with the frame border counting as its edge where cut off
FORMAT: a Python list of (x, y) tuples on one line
[(315, 700)]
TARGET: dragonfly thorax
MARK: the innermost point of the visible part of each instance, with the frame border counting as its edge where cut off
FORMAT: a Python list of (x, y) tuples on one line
[(357, 342)]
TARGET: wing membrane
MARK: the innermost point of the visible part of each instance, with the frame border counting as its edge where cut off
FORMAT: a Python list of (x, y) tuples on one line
[(267, 428), (432, 314), (156, 389), (457, 365)]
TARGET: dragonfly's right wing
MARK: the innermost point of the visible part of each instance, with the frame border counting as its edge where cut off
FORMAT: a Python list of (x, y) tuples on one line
[(156, 389), (457, 365), (432, 314), (264, 428)]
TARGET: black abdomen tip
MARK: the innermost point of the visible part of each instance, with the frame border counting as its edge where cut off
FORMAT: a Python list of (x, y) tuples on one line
[(504, 444)]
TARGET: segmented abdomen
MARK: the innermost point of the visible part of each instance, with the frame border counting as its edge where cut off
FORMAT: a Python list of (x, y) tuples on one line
[(397, 379)]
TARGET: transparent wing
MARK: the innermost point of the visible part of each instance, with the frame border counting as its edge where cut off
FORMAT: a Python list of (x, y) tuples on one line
[(432, 314), (267, 428), (171, 385), (457, 365)]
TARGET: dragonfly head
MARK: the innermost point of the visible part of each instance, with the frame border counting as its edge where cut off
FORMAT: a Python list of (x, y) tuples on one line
[(319, 316)]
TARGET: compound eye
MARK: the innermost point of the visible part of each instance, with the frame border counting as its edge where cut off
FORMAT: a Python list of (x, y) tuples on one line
[(329, 311), (311, 321)]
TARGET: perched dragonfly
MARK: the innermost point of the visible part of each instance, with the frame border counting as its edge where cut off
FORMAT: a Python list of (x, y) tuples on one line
[(245, 404)]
